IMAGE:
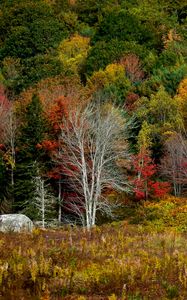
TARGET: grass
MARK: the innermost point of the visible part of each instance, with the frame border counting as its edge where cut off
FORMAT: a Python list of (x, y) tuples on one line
[(113, 261), (117, 261)]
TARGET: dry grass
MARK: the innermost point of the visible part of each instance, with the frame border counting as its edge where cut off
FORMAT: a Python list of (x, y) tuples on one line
[(115, 261)]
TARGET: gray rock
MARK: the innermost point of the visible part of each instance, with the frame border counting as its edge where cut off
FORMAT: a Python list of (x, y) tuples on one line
[(15, 223)]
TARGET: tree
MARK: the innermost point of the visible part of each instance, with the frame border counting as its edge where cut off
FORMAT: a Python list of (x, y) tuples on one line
[(88, 11), (111, 82), (49, 90), (174, 162), (169, 77), (181, 97), (73, 53), (29, 33), (43, 200), (4, 113), (132, 67), (5, 205), (162, 112), (113, 73), (7, 138), (145, 185), (28, 156), (92, 147), (32, 131), (55, 112), (121, 24), (29, 28), (35, 68), (103, 53)]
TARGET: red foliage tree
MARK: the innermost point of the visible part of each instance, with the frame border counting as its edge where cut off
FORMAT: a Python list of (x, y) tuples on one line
[(144, 184), (56, 113), (130, 102)]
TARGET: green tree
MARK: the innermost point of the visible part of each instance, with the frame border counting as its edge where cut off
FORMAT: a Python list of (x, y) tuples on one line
[(32, 132), (104, 53), (28, 156), (169, 77), (111, 83), (88, 11), (29, 34), (37, 68), (5, 203), (161, 110), (122, 25), (29, 28)]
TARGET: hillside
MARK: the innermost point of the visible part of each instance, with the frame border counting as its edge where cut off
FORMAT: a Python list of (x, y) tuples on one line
[(93, 107)]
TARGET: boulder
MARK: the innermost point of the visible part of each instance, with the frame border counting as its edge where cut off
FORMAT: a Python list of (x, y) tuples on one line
[(15, 223)]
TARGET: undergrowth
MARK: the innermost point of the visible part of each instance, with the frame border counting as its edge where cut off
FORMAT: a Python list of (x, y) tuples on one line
[(117, 261)]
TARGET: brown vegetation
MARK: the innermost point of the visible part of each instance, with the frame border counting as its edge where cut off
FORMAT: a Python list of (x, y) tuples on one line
[(116, 261)]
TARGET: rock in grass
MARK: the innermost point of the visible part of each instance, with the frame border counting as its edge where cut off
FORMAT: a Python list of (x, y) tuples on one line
[(15, 223)]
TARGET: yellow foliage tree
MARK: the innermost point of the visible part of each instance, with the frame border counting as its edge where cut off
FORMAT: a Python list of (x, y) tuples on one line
[(73, 52), (171, 36), (181, 98), (182, 91), (114, 73), (144, 137)]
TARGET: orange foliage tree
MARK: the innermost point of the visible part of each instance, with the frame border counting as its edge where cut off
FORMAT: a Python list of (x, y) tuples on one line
[(56, 113)]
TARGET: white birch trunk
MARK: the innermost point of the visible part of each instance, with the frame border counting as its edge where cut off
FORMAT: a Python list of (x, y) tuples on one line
[(59, 202), (43, 200), (89, 141)]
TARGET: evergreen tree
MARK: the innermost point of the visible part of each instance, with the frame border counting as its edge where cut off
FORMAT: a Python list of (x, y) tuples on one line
[(28, 156), (32, 132), (5, 203)]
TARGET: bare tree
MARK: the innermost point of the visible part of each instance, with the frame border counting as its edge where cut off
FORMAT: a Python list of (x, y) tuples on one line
[(43, 199), (8, 127), (5, 107), (174, 163), (133, 67), (11, 136), (93, 148), (60, 200)]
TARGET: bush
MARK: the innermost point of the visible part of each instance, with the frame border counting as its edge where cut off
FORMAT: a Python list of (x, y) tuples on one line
[(169, 212)]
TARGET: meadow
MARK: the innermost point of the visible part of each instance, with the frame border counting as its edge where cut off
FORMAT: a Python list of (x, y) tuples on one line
[(113, 261)]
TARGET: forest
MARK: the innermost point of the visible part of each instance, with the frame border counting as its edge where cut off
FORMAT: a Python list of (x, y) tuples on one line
[(93, 149), (92, 106)]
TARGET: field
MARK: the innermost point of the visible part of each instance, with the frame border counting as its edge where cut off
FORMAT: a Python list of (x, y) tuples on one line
[(113, 261)]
